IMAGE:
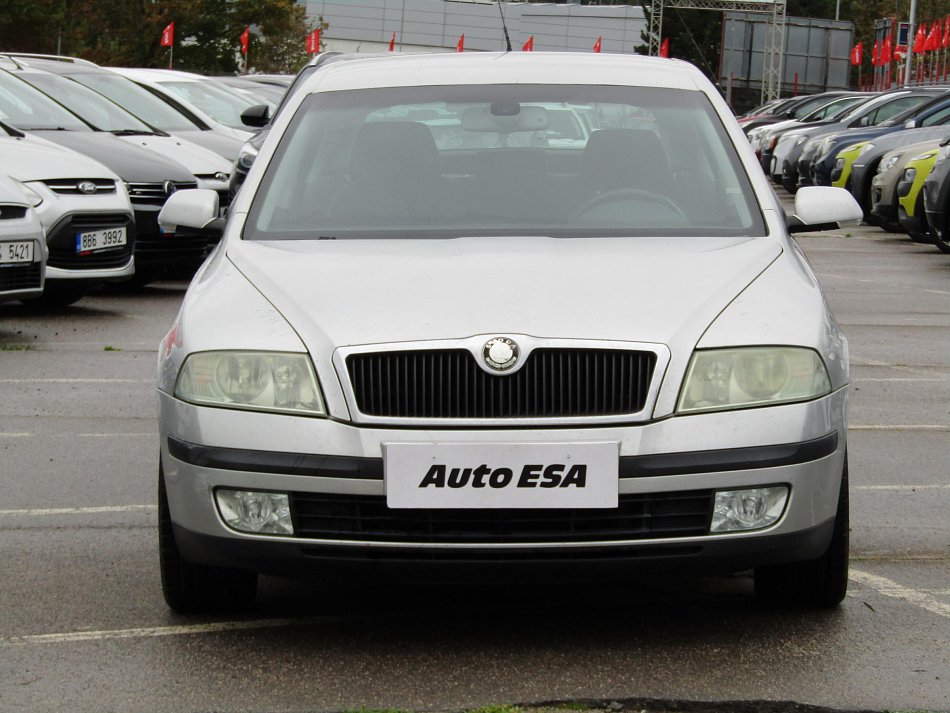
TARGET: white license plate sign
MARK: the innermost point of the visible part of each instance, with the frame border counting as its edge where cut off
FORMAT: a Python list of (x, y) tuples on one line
[(100, 240), (16, 252), (493, 475)]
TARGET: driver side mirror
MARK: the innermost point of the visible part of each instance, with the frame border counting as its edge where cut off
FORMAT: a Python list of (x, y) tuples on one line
[(256, 116)]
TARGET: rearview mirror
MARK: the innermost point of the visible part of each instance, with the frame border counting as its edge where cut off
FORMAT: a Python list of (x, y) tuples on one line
[(823, 208)]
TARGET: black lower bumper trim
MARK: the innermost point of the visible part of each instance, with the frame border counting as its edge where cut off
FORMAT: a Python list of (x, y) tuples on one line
[(330, 466), (714, 554)]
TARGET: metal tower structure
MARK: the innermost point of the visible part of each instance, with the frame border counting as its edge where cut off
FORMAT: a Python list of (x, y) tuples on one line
[(774, 35)]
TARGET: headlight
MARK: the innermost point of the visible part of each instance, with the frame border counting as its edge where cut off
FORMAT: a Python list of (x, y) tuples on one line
[(943, 155), (924, 156), (32, 197), (865, 149), (800, 140), (852, 147), (889, 163), (276, 382), (723, 379), (246, 156)]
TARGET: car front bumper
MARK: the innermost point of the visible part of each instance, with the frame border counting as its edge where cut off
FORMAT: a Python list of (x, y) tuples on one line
[(801, 446)]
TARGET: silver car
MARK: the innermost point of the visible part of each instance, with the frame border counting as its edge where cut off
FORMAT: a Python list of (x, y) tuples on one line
[(23, 250), (488, 353)]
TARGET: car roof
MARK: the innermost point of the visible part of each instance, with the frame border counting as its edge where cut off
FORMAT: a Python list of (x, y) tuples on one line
[(506, 68)]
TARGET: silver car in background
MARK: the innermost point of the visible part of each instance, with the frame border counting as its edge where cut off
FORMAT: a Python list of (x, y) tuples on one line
[(22, 245), (474, 350)]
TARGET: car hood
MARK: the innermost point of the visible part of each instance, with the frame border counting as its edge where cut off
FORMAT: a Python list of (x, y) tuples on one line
[(883, 145), (197, 159), (351, 292), (226, 146), (34, 159), (132, 163)]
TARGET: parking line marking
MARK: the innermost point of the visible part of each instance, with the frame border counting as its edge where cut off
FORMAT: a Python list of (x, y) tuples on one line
[(150, 631), (78, 511), (113, 435), (14, 434), (890, 588), (896, 427), (896, 379), (76, 381), (881, 585), (939, 486)]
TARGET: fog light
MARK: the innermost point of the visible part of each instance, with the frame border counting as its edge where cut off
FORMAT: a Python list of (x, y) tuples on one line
[(259, 513), (753, 509)]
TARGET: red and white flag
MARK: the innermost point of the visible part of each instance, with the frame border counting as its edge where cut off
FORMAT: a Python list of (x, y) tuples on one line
[(313, 42), (460, 46), (245, 39), (392, 42), (665, 48), (529, 45), (597, 44), (168, 35), (857, 54)]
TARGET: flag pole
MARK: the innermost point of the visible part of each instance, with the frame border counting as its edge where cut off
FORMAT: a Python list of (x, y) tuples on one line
[(171, 55), (908, 62)]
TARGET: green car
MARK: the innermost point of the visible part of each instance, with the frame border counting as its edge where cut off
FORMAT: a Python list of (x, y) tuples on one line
[(910, 195)]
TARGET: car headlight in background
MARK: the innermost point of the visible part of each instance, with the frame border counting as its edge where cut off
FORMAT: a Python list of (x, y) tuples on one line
[(725, 379), (246, 156), (32, 197), (864, 149), (276, 382), (888, 163)]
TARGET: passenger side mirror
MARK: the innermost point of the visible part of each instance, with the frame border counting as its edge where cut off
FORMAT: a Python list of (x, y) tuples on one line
[(256, 116), (823, 208), (196, 208)]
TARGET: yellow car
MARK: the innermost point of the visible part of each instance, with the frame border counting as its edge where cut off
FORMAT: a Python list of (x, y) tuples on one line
[(842, 169), (910, 195)]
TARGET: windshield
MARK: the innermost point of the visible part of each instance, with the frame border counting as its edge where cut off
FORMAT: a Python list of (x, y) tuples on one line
[(221, 105), (504, 160), (26, 108), (835, 109), (94, 108), (140, 102)]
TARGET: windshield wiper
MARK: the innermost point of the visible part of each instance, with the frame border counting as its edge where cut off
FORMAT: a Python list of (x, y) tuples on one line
[(136, 132)]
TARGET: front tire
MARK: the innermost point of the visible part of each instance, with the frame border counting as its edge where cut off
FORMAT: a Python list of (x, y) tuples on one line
[(190, 588), (822, 582)]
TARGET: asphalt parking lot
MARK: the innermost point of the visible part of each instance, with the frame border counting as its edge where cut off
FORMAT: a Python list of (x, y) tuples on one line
[(84, 627)]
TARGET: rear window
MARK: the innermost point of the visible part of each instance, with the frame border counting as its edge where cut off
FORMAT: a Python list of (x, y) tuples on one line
[(552, 160)]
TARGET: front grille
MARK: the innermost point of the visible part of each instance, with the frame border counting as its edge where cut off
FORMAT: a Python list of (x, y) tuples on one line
[(553, 383), (178, 250), (360, 518), (156, 193), (70, 187), (12, 212), (20, 277), (62, 242)]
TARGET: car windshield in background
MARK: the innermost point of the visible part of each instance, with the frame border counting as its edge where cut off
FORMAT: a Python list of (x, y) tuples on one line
[(444, 161), (140, 102), (221, 105), (26, 108), (102, 113)]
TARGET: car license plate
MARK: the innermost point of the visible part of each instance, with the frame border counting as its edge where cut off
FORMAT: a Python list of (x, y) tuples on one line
[(100, 240), (495, 475), (16, 252)]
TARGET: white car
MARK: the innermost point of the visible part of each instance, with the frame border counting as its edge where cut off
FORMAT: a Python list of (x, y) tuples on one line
[(197, 94), (22, 245), (84, 209), (538, 359)]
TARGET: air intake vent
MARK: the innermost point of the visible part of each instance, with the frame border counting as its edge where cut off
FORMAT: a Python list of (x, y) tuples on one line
[(554, 383)]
